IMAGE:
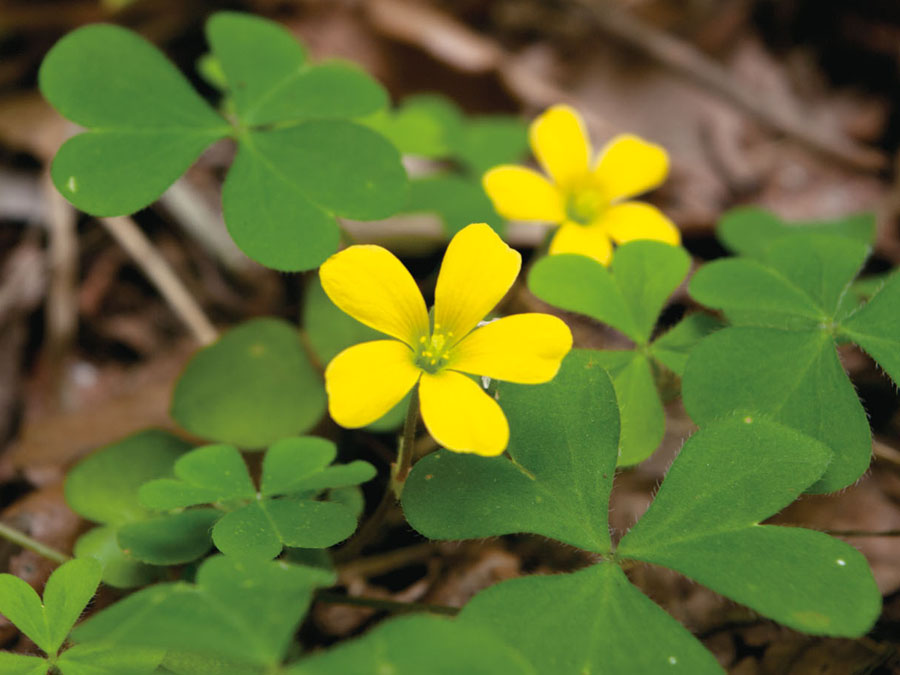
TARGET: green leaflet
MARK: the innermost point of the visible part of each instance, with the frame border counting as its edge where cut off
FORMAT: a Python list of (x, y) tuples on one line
[(787, 369), (704, 523), (119, 569), (750, 230), (791, 377), (146, 124), (66, 594), (266, 73), (876, 327), (673, 347), (171, 539), (104, 659), (434, 127), (563, 445), (458, 201), (629, 297), (592, 621), (250, 388), (300, 161), (103, 487), (257, 524), (415, 645), (19, 664), (238, 609), (641, 415)]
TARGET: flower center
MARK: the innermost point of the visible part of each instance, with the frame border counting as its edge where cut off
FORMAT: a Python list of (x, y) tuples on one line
[(433, 352), (583, 206)]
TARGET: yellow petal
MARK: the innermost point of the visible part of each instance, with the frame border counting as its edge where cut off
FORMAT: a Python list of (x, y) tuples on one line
[(525, 348), (366, 380), (560, 142), (522, 194), (477, 271), (589, 240), (372, 286), (460, 416), (637, 220), (629, 165)]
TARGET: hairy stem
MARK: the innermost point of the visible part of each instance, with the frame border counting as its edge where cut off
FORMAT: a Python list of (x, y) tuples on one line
[(399, 471), (21, 539)]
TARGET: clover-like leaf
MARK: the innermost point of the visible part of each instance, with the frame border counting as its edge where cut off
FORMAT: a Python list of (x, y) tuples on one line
[(704, 523), (238, 609), (604, 625), (258, 524), (252, 387), (787, 368), (629, 297), (791, 377), (563, 446), (295, 465), (300, 161), (267, 75), (66, 594), (418, 644), (146, 124), (263, 528), (751, 230), (207, 475)]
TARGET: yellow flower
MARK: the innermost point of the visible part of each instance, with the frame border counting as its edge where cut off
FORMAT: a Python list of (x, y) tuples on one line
[(588, 202), (368, 379)]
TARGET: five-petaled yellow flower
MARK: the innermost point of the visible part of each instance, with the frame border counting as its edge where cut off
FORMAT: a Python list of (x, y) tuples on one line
[(366, 380), (588, 202)]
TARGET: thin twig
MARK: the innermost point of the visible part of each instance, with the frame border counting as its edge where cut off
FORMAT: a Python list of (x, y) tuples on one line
[(335, 598), (21, 539), (161, 274), (61, 308), (862, 533), (205, 225), (686, 60), (374, 565)]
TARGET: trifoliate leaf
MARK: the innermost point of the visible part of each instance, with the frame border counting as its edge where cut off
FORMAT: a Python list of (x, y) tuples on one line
[(704, 523), (563, 447)]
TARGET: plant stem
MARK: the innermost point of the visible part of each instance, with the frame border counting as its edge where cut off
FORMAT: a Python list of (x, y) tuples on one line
[(399, 471), (407, 445), (21, 539), (387, 605)]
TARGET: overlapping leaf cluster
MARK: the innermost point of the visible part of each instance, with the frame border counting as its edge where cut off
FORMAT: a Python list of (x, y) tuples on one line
[(301, 159), (790, 305), (629, 296)]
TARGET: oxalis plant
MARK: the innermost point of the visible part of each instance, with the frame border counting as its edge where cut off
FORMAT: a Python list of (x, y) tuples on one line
[(219, 549)]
